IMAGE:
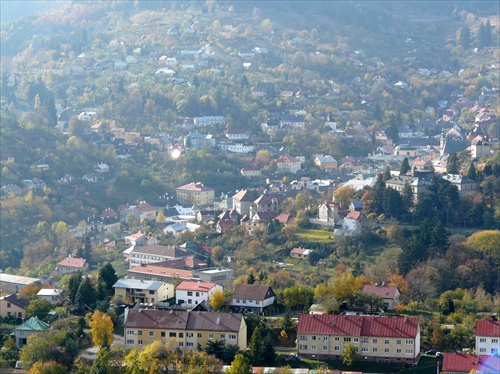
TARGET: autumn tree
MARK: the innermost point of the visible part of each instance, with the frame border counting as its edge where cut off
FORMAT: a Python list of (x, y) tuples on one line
[(349, 354), (486, 242), (217, 300), (240, 365), (344, 195), (101, 326), (50, 367)]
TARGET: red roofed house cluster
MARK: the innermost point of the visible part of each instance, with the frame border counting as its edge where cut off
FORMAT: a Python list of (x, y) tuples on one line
[(381, 339)]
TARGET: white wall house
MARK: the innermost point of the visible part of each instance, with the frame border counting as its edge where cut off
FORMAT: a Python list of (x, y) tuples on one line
[(488, 337), (252, 297), (190, 294)]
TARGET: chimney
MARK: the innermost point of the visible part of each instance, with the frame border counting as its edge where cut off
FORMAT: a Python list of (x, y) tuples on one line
[(395, 322), (218, 320), (333, 321), (406, 318), (198, 283)]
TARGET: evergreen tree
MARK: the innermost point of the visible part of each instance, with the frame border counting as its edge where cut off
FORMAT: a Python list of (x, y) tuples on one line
[(487, 33), (387, 174), (73, 285), (100, 364), (85, 296), (407, 197), (268, 352), (256, 347), (244, 81), (240, 365), (464, 37), (471, 173), (405, 166), (106, 279), (287, 323), (481, 36), (251, 278), (452, 166)]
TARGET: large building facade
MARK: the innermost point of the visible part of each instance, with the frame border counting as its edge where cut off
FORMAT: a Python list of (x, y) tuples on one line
[(381, 339), (185, 330), (195, 193)]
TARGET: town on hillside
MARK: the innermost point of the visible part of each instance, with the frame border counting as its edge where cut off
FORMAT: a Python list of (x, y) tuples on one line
[(250, 187)]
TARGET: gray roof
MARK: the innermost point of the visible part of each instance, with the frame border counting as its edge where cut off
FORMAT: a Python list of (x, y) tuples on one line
[(183, 320), (252, 292), (138, 284), (457, 179), (160, 250)]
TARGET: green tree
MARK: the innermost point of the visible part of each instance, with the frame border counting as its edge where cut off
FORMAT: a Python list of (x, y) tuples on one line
[(387, 174), (481, 35), (100, 364), (85, 296), (452, 166), (251, 278), (268, 352), (216, 348), (287, 323), (39, 308), (240, 365), (73, 285), (464, 37), (106, 279), (487, 33), (471, 172), (50, 367), (405, 167), (349, 354), (256, 347)]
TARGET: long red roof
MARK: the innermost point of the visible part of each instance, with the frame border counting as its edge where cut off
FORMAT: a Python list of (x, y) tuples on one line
[(324, 324), (464, 363), (488, 328)]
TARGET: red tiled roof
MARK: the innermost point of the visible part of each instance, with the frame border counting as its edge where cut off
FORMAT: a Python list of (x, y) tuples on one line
[(287, 159), (195, 286), (74, 262), (464, 363), (153, 270), (299, 251), (488, 328), (283, 218), (135, 236), (109, 213), (144, 207), (385, 292), (354, 215), (325, 324)]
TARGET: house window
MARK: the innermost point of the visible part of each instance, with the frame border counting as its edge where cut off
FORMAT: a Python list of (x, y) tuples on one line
[(181, 335), (313, 338), (151, 333), (20, 315), (130, 341), (222, 336), (409, 351), (139, 342), (190, 293), (355, 340), (181, 344), (139, 332), (237, 300), (409, 341), (337, 348), (210, 336), (303, 337), (364, 349), (482, 340), (398, 351), (199, 335), (364, 340), (302, 346), (347, 339), (375, 341), (244, 301), (8, 314), (189, 334), (313, 347), (151, 292), (482, 350), (130, 332), (398, 341), (386, 350), (189, 344), (197, 294), (257, 302), (374, 349), (337, 339), (325, 339), (8, 305), (162, 334), (386, 341), (494, 351), (494, 341), (172, 335), (232, 337), (325, 348)]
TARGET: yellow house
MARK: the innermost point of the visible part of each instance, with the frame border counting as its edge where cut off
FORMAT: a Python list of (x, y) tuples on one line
[(182, 328), (326, 162), (143, 291), (13, 306)]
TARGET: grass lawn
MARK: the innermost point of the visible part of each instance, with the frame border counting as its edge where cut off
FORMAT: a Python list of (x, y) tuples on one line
[(319, 236)]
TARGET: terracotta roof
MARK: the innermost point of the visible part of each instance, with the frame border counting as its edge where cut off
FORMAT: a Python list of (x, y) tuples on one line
[(287, 159), (74, 262), (300, 251), (488, 328), (358, 325), (252, 292), (385, 292), (354, 215), (135, 236), (185, 262), (195, 286), (182, 320), (464, 363), (246, 195), (144, 207), (109, 213), (194, 187), (283, 218)]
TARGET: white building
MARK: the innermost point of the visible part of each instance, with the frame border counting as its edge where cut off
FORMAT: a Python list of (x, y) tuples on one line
[(210, 121), (288, 164), (488, 337), (252, 297), (236, 146), (190, 294), (52, 295)]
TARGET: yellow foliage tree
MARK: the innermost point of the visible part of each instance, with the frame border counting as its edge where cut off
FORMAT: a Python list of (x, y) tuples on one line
[(217, 300), (344, 195), (101, 326), (486, 242)]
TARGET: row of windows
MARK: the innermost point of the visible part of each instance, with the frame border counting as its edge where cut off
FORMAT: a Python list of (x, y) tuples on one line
[(494, 351), (363, 349), (181, 335), (356, 340), (483, 340), (245, 301)]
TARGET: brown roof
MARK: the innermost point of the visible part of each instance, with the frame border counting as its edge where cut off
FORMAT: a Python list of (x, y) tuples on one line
[(74, 262), (246, 195), (252, 292), (287, 159), (385, 292), (183, 320), (283, 218), (182, 263), (324, 324), (154, 271), (163, 250), (144, 207), (13, 299)]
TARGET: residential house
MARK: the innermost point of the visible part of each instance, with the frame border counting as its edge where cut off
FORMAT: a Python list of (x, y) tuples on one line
[(329, 212), (13, 189), (237, 134), (136, 239), (143, 291), (418, 185), (300, 253), (465, 363), (356, 206), (284, 219), (479, 148), (90, 178), (13, 306), (405, 150), (198, 141), (16, 282), (375, 338), (351, 224), (148, 254), (292, 121), (101, 168), (252, 298), (195, 193), (144, 212), (236, 146), (251, 172), (488, 337), (288, 164), (210, 121), (258, 220), (180, 227), (224, 225), (326, 162), (52, 295), (390, 294), (243, 200), (185, 330), (72, 265), (464, 185), (109, 221), (28, 328), (189, 294), (267, 202)]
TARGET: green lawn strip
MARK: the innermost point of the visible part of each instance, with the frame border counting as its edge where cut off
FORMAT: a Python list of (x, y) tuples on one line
[(320, 236)]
